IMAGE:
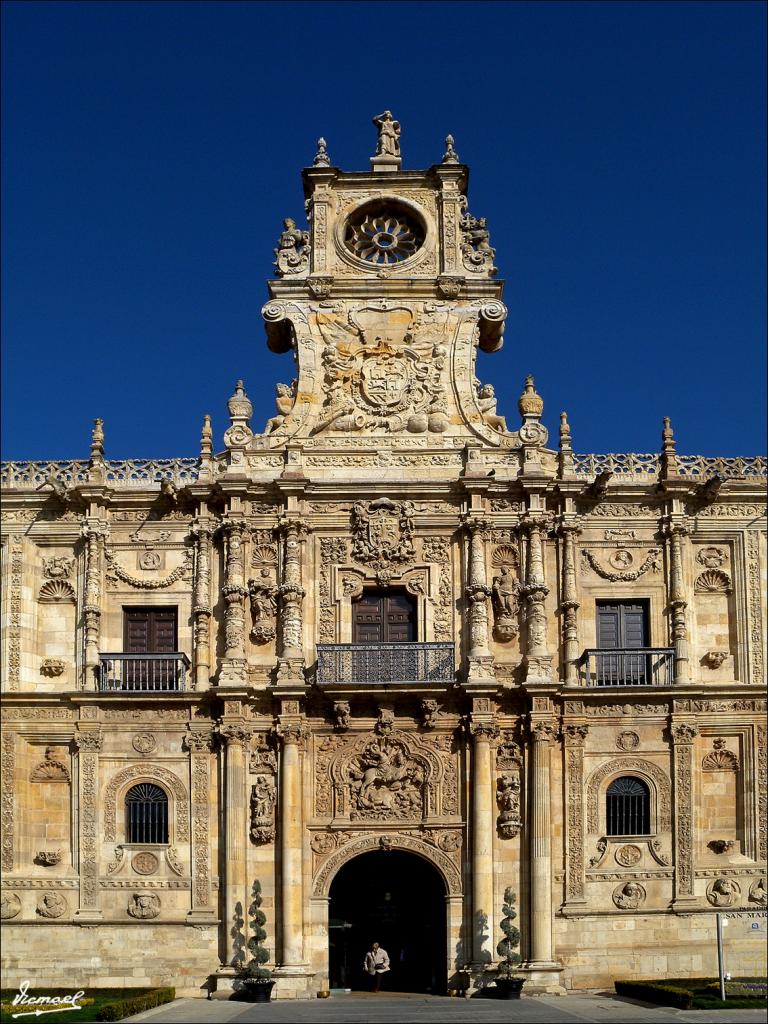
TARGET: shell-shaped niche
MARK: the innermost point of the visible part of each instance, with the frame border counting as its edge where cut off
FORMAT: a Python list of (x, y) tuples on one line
[(56, 590), (713, 581)]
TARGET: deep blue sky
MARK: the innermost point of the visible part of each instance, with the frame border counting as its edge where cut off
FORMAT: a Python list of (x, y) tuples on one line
[(150, 151)]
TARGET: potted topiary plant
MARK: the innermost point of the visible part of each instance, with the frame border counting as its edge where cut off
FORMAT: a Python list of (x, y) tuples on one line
[(508, 983), (255, 977)]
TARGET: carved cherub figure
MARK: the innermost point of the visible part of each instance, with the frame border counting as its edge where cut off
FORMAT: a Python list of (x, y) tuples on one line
[(286, 396), (487, 401)]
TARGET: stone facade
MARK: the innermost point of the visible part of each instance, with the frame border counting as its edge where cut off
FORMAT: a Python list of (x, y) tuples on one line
[(386, 465)]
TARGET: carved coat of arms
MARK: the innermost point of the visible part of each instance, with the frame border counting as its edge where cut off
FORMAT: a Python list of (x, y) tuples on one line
[(382, 532)]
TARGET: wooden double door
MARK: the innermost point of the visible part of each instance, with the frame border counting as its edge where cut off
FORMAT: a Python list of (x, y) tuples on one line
[(384, 617)]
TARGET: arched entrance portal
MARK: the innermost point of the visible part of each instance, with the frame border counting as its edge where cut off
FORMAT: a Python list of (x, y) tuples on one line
[(398, 900)]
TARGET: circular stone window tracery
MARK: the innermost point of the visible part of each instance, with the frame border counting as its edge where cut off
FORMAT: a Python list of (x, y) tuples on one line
[(384, 234)]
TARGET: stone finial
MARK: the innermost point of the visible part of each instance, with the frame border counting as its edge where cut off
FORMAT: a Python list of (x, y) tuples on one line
[(240, 412), (565, 460), (206, 439), (321, 156), (97, 441), (668, 451), (387, 157), (450, 156), (531, 404), (239, 405)]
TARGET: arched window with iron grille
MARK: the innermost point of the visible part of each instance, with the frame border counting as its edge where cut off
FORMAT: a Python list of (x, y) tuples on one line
[(628, 808), (146, 808)]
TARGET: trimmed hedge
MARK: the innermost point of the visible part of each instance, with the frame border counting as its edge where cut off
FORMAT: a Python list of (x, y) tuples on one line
[(130, 1005), (662, 993), (696, 993)]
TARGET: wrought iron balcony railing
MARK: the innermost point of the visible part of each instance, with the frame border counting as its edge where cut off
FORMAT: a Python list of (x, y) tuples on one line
[(375, 664), (145, 673), (636, 666)]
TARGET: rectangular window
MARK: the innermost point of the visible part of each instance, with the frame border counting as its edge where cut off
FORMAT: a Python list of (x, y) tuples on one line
[(622, 626), (150, 631)]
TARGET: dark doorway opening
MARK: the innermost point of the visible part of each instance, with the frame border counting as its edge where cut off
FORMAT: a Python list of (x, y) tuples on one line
[(384, 617), (398, 900)]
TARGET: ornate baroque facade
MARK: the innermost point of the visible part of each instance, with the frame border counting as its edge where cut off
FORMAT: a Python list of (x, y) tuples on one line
[(188, 632)]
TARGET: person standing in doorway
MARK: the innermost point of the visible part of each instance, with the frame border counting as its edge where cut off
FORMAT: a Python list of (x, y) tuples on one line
[(376, 964)]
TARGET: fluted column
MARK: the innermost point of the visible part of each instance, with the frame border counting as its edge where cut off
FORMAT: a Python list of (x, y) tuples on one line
[(477, 593), (482, 842), (538, 660), (569, 605), (94, 531), (291, 593), (233, 670), (292, 890), (677, 602), (237, 738), (542, 734), (201, 609)]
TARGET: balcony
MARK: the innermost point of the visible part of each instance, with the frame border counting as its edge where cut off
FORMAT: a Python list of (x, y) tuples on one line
[(383, 664), (636, 666), (143, 673)]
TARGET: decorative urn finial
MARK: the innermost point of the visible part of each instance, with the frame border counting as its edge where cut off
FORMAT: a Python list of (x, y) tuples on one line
[(239, 405), (530, 404), (97, 440)]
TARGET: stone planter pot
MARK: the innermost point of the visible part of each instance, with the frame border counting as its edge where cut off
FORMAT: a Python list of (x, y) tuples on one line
[(509, 988), (256, 991)]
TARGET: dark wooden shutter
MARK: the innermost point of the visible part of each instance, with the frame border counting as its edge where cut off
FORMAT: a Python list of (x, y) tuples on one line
[(150, 630), (381, 617), (633, 628), (608, 626), (621, 624)]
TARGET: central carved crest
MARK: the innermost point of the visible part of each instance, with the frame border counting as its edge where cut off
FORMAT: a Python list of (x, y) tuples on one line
[(382, 532)]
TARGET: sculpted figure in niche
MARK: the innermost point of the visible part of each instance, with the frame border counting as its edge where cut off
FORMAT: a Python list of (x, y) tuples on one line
[(263, 610), (506, 590), (262, 807), (389, 134), (284, 402), (487, 401), (629, 896), (508, 797)]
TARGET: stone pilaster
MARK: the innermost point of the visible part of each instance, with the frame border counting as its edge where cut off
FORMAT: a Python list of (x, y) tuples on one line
[(569, 604), (94, 532), (483, 730), (199, 742), (291, 593), (538, 659), (233, 669), (574, 736), (237, 737), (542, 734), (677, 602), (291, 844), (88, 747), (477, 593), (201, 609), (683, 737)]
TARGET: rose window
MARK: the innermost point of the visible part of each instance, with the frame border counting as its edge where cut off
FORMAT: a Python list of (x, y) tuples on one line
[(384, 236)]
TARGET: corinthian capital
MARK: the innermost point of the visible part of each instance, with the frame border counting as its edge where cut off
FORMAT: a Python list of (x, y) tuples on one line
[(89, 742)]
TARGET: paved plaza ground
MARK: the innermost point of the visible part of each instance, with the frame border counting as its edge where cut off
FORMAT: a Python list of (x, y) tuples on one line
[(403, 1009)]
